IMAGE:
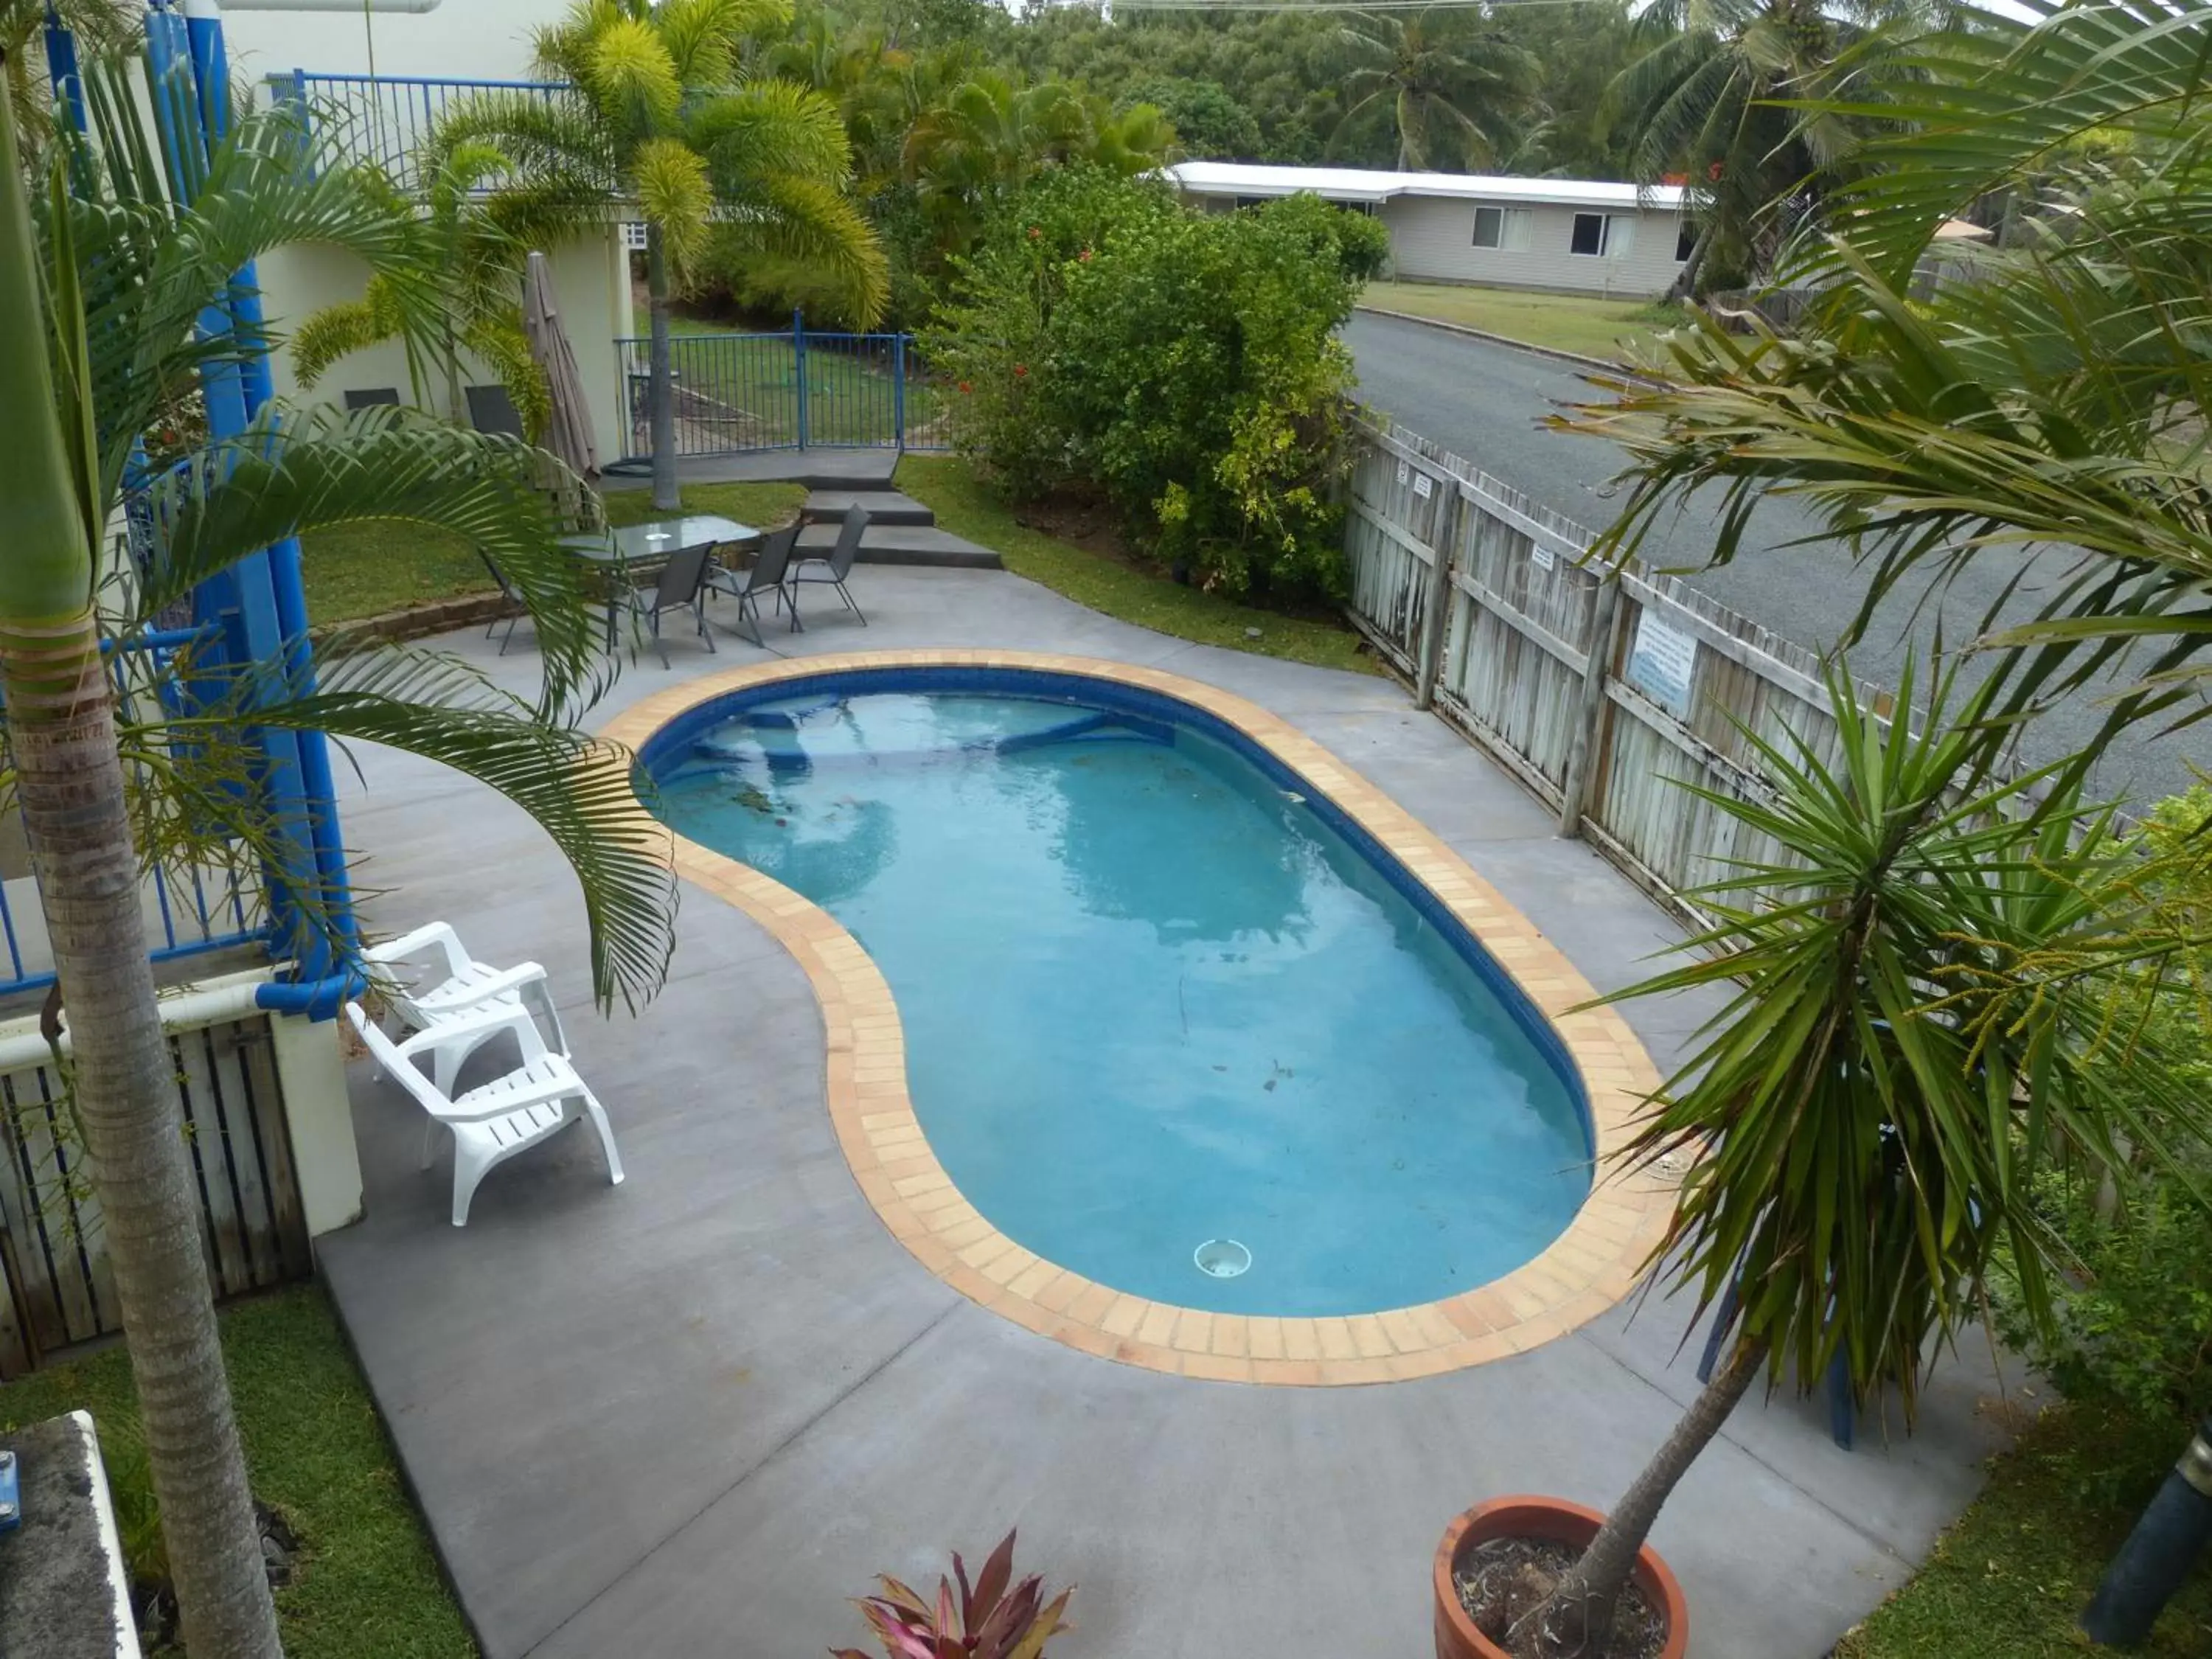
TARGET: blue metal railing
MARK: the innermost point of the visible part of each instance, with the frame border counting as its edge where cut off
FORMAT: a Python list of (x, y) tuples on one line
[(798, 388), (189, 909), (386, 121)]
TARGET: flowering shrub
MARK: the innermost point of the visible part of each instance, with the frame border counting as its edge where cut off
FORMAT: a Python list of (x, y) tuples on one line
[(1186, 364)]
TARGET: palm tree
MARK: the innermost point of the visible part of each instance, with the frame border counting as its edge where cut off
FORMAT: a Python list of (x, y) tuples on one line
[(991, 135), (1864, 1120), (1700, 98), (100, 296), (96, 25), (477, 249), (2050, 394), (1451, 86), (661, 117)]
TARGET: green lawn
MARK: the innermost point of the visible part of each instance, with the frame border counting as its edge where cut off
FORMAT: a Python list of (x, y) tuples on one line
[(365, 1585), (363, 569), (2010, 1576), (1564, 322), (967, 506)]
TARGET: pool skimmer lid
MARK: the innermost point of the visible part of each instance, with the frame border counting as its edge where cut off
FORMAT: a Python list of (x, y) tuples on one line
[(1221, 1258)]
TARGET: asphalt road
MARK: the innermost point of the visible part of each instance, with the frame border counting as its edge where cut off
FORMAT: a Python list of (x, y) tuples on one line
[(1486, 401)]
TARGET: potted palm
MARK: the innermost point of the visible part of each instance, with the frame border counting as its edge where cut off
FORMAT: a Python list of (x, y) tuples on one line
[(1861, 1122)]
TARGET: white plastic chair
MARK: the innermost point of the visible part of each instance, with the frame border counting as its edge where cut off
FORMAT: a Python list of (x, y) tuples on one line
[(494, 1120), (467, 986)]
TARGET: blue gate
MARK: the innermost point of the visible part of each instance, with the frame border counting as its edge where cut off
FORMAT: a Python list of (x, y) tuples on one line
[(798, 388)]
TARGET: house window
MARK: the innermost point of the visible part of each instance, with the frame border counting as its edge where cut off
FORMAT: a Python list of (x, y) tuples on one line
[(1502, 227), (1685, 242), (633, 234), (1588, 235)]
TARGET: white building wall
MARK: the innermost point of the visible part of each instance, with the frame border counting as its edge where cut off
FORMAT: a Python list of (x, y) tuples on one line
[(1432, 241), (591, 281)]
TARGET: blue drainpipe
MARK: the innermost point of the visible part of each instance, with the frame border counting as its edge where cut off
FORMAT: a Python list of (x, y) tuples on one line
[(261, 602)]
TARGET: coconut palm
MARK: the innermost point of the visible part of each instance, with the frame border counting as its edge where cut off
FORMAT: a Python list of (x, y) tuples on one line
[(1450, 87), (2050, 394), (661, 117), (474, 251), (1703, 100), (1863, 1121), (101, 296)]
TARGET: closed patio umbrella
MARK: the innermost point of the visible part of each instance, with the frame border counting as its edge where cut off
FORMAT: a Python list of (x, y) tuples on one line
[(569, 427)]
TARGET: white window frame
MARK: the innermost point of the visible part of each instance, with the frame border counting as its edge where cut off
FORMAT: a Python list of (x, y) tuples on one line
[(1513, 229), (1574, 225)]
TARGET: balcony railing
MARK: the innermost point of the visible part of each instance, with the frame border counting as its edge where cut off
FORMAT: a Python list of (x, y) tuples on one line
[(386, 121)]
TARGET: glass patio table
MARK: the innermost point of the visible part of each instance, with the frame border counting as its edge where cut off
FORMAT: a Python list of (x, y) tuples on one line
[(654, 542)]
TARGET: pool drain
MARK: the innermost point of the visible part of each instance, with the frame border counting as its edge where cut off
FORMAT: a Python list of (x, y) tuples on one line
[(1221, 1258)]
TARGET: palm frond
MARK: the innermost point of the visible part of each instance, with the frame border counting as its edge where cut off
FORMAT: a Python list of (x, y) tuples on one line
[(676, 193), (578, 788), (292, 472)]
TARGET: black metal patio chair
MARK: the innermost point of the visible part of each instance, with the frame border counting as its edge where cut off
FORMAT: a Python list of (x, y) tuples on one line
[(832, 570), (764, 575), (680, 585)]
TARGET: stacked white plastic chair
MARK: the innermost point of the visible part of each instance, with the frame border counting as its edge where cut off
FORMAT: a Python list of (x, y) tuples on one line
[(445, 1016)]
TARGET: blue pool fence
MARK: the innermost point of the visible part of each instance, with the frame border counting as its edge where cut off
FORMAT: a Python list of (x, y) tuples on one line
[(795, 388)]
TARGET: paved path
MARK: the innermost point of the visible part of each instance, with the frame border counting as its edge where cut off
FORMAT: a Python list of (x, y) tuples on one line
[(1484, 402), (691, 1415)]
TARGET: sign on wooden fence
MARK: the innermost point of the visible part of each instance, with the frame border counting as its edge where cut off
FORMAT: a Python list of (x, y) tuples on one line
[(1604, 690)]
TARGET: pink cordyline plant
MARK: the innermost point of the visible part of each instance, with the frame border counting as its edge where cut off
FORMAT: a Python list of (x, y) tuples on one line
[(987, 1621)]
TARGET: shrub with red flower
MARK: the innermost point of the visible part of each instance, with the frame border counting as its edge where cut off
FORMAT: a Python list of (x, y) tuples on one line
[(965, 388), (1021, 370)]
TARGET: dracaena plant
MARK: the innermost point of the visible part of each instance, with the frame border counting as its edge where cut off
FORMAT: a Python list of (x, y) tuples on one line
[(992, 1619)]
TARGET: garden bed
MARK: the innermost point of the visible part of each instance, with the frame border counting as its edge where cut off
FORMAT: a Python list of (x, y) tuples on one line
[(365, 1584), (2009, 1578)]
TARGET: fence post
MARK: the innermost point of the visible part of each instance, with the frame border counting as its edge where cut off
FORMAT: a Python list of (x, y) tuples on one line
[(898, 392), (1589, 708), (1444, 545), (799, 358)]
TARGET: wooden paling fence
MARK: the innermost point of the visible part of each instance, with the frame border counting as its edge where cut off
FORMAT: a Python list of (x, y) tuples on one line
[(1603, 691), (57, 1289)]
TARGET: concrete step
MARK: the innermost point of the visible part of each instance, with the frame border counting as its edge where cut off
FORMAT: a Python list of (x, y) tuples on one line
[(885, 506), (905, 544), (822, 469)]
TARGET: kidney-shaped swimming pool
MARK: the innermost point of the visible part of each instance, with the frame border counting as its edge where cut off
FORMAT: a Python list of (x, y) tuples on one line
[(1171, 1022)]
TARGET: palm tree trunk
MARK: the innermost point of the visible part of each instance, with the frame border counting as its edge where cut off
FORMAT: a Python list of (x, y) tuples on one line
[(69, 780), (660, 388), (456, 407), (1580, 1611), (61, 726), (1686, 280)]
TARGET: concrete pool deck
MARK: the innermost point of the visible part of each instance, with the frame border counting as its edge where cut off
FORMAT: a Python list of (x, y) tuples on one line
[(692, 1415)]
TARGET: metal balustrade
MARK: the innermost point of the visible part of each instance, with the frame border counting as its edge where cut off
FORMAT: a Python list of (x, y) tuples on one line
[(798, 388), (387, 121)]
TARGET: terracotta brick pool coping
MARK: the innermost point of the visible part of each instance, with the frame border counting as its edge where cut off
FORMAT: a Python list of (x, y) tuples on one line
[(1592, 1266)]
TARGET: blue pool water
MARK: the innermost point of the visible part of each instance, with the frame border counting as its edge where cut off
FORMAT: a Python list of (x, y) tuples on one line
[(1153, 997)]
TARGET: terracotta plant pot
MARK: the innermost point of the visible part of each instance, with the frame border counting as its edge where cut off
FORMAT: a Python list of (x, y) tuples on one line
[(1552, 1518)]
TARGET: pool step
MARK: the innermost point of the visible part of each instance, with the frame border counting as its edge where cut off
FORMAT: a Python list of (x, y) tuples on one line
[(905, 544)]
